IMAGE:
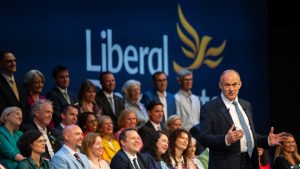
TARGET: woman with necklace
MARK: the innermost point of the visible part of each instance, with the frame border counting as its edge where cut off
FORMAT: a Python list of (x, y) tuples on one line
[(92, 147)]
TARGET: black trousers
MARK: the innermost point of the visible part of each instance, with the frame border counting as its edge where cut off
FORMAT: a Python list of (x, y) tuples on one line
[(246, 162)]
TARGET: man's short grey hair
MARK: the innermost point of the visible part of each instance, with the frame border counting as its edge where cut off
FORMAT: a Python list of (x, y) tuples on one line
[(184, 72), (38, 105)]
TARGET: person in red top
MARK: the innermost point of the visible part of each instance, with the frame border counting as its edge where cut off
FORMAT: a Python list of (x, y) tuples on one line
[(263, 158)]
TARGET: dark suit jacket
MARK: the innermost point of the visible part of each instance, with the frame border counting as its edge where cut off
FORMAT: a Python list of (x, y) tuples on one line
[(215, 121), (281, 163), (152, 95), (146, 131), (52, 135), (121, 161), (59, 101), (8, 98), (106, 108)]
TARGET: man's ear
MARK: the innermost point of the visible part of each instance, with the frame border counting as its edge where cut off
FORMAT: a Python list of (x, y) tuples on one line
[(220, 85)]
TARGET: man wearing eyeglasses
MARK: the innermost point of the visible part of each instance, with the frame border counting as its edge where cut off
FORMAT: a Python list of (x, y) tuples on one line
[(11, 92)]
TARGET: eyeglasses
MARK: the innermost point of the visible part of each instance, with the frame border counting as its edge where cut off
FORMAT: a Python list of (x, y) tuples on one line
[(40, 141), (234, 85)]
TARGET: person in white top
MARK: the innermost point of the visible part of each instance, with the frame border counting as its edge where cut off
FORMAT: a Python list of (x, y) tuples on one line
[(187, 104)]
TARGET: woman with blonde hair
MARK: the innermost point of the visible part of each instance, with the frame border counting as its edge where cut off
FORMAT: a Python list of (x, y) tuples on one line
[(286, 155), (92, 147), (11, 119), (110, 144)]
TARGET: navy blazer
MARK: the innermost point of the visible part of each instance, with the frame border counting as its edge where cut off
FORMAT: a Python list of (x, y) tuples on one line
[(8, 98), (63, 159), (215, 122), (146, 131), (58, 101), (121, 161), (152, 95), (106, 108)]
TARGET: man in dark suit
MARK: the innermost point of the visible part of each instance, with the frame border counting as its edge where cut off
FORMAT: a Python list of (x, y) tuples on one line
[(42, 114), (159, 93), (11, 92), (232, 140), (60, 95), (112, 105), (69, 115), (155, 113), (128, 157)]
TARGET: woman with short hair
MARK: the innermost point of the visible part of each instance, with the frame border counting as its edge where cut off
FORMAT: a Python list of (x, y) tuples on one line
[(11, 119), (32, 145)]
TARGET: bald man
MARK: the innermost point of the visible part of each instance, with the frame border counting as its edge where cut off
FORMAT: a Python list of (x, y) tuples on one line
[(69, 157), (227, 128)]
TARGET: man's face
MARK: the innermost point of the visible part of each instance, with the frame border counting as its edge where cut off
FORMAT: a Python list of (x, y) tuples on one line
[(230, 85), (70, 117), (161, 82), (186, 82), (108, 83), (44, 115), (74, 137), (8, 63), (156, 114), (131, 144), (62, 79)]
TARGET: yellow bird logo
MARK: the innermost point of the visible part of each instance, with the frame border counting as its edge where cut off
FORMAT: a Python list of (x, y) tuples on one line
[(197, 49)]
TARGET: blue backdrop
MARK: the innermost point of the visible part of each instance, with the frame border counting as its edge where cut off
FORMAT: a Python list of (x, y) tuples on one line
[(135, 38)]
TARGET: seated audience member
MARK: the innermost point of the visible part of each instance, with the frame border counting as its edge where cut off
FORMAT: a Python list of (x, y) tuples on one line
[(32, 145), (191, 154), (11, 119), (157, 151), (129, 157), (86, 98), (287, 155), (155, 113), (111, 104), (92, 147), (68, 156), (69, 114), (263, 158), (42, 115), (126, 119), (179, 141), (34, 83), (159, 93), (173, 122), (60, 95), (11, 91), (132, 93), (88, 122), (110, 144)]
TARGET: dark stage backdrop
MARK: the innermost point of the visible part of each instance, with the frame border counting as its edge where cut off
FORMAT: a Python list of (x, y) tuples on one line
[(133, 39)]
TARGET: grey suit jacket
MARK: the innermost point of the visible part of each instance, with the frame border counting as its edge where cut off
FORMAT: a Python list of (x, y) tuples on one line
[(63, 159), (215, 121)]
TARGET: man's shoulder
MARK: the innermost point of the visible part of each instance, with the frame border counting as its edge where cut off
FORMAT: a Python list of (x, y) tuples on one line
[(52, 92)]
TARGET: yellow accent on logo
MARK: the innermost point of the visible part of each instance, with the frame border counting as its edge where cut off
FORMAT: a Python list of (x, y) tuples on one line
[(197, 49)]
